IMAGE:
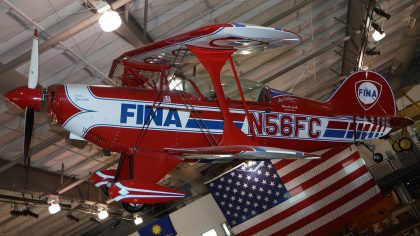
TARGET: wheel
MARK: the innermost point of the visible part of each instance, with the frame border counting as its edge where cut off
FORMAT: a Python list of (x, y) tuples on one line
[(396, 147), (405, 144), (132, 208), (378, 157)]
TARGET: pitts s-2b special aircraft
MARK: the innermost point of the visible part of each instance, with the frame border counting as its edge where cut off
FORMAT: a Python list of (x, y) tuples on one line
[(157, 120)]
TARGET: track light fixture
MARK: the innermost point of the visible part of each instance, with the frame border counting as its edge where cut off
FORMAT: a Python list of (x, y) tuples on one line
[(137, 219), (376, 26), (372, 51), (381, 12), (102, 214), (378, 36), (53, 207)]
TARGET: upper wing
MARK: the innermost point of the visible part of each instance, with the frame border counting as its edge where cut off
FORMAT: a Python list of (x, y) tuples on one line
[(241, 37), (239, 151)]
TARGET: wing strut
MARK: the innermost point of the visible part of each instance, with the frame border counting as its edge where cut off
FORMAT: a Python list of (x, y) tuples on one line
[(213, 60), (248, 116)]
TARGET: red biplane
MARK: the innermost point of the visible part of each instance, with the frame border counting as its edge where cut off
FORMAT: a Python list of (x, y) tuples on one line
[(157, 119)]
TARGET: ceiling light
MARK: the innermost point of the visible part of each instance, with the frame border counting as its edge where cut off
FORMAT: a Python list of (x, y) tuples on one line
[(378, 36), (102, 214), (109, 21), (381, 12), (137, 220), (376, 27), (54, 208)]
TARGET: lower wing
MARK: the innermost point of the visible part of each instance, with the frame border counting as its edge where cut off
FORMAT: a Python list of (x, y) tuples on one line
[(239, 152)]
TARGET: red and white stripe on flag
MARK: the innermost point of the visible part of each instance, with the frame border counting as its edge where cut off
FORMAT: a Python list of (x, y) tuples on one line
[(324, 193)]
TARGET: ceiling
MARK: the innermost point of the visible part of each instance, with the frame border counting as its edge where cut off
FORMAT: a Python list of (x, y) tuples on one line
[(74, 49)]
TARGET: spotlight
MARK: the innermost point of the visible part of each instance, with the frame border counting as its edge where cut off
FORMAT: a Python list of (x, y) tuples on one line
[(109, 21), (372, 51), (102, 214), (381, 12), (376, 26), (54, 208), (378, 36), (137, 220)]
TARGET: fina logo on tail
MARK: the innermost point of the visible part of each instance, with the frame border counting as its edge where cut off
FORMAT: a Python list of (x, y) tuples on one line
[(368, 93)]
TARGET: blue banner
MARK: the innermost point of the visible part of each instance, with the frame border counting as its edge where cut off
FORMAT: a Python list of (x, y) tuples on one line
[(160, 227)]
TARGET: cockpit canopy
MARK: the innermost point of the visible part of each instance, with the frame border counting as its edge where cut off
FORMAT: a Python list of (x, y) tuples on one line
[(202, 87)]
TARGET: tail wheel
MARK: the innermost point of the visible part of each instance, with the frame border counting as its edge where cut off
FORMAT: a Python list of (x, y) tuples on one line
[(405, 144), (396, 147), (378, 157), (131, 207)]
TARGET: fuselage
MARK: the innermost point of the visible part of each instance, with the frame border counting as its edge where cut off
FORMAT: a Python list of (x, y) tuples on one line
[(124, 119)]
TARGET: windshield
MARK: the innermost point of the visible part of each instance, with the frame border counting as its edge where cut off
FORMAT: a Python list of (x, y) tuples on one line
[(201, 86)]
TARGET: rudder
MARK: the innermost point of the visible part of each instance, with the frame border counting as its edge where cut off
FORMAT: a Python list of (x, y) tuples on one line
[(363, 93)]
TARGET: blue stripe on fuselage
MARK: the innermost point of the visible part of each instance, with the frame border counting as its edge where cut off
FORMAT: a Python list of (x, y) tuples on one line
[(333, 133), (209, 124)]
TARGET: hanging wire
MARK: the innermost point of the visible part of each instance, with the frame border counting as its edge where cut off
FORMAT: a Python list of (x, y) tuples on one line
[(313, 49)]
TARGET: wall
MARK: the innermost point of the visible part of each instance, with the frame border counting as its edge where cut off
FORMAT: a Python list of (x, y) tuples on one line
[(198, 217)]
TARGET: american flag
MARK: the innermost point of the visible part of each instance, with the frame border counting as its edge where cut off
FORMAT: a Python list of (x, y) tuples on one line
[(314, 196)]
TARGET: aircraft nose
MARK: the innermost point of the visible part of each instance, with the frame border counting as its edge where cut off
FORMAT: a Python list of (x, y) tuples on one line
[(24, 97)]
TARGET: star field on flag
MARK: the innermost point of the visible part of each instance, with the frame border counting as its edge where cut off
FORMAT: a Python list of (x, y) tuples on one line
[(247, 191)]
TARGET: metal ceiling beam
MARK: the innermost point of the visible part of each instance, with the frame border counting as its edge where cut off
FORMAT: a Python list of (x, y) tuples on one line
[(289, 11), (185, 5), (82, 180), (44, 181), (18, 158), (355, 19), (132, 32), (304, 59), (405, 54), (53, 41), (201, 20)]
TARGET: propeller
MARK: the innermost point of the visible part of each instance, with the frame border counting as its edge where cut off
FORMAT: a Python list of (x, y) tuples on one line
[(29, 111), (34, 63), (29, 125)]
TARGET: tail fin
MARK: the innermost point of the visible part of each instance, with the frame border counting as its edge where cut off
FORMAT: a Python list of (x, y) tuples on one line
[(363, 93)]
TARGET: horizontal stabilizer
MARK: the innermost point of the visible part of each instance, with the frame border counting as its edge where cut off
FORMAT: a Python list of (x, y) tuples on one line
[(102, 178), (239, 151), (398, 122), (142, 193)]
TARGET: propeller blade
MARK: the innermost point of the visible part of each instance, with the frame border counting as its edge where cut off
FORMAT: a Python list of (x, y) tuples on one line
[(33, 65), (29, 125)]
